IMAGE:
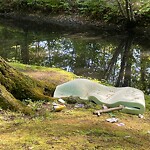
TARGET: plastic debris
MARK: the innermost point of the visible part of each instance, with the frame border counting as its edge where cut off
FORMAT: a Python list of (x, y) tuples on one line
[(141, 116), (148, 132), (127, 136), (112, 120), (54, 104), (79, 106), (58, 107), (120, 124), (131, 98), (104, 107), (61, 101)]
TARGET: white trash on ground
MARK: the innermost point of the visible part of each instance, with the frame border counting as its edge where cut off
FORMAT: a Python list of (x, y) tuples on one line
[(112, 120)]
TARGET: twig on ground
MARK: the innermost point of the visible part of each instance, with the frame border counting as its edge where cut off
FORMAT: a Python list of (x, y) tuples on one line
[(98, 112)]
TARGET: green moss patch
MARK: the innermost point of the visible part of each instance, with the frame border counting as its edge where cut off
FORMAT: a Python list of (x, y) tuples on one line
[(55, 76)]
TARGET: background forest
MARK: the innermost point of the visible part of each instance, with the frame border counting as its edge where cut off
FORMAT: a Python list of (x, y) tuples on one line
[(116, 11)]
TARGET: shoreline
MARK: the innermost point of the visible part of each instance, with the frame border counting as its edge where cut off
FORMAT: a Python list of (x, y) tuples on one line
[(73, 22)]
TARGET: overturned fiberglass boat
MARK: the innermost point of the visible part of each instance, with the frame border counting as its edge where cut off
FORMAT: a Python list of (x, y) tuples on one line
[(132, 99)]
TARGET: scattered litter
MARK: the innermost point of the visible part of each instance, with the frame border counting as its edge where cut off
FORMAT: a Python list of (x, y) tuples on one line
[(127, 136), (148, 132), (79, 106), (54, 104), (141, 116), (104, 107), (30, 148), (61, 101), (58, 107), (98, 114), (112, 120), (120, 124)]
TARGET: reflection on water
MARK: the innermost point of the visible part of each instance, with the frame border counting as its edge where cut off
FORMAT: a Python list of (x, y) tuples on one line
[(120, 60)]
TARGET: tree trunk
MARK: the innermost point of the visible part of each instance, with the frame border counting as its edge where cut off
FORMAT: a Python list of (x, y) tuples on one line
[(128, 53), (127, 12), (15, 85), (121, 8), (113, 60), (8, 101), (122, 67)]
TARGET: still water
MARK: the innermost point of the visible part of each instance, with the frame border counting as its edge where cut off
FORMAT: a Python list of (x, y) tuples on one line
[(120, 60)]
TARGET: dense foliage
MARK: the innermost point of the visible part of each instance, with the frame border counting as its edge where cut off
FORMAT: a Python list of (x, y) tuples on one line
[(106, 10)]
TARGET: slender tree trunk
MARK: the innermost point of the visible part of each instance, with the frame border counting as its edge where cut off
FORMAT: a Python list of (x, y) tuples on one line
[(25, 49), (131, 11), (127, 76), (113, 60), (143, 74), (121, 73), (121, 8), (124, 78), (128, 10)]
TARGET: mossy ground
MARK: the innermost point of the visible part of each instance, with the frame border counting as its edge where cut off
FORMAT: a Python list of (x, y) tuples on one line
[(72, 129), (51, 75)]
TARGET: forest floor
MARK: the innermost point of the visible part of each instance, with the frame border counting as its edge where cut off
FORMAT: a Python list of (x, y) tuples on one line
[(72, 128)]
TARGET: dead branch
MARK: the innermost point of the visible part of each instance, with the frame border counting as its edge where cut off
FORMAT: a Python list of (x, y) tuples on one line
[(98, 112)]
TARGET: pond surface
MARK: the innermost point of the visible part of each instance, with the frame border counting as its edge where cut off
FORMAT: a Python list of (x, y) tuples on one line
[(120, 60)]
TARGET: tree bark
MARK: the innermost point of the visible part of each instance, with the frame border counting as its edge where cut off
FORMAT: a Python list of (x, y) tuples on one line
[(113, 60), (8, 101), (131, 11), (127, 12), (127, 74), (121, 8)]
